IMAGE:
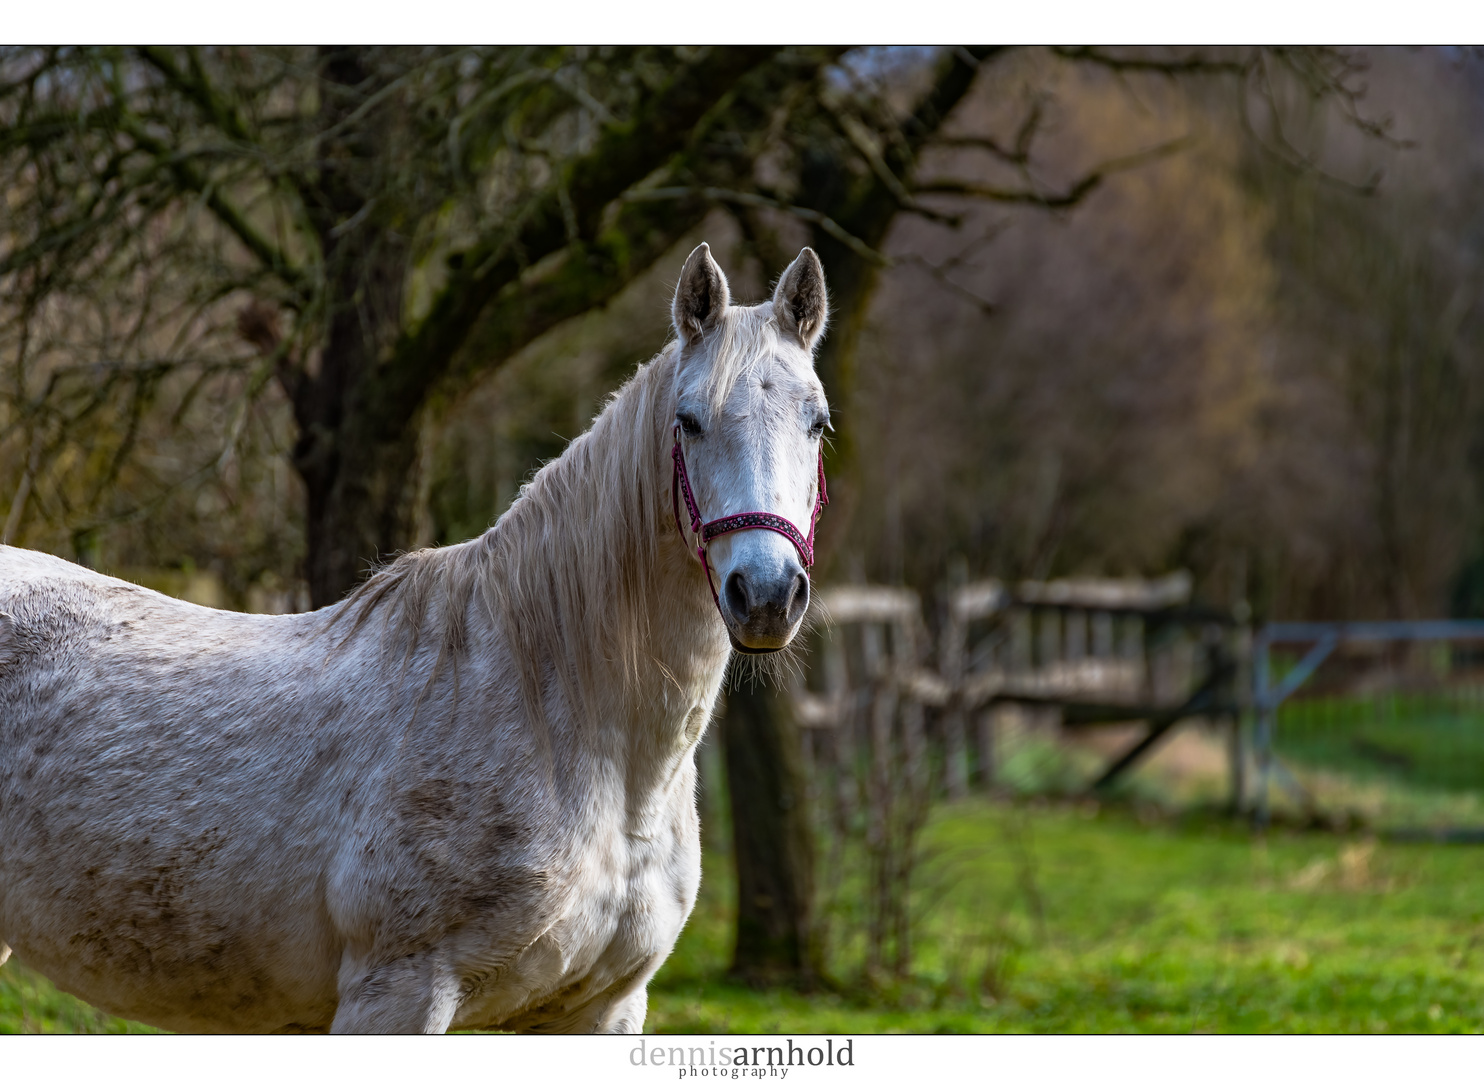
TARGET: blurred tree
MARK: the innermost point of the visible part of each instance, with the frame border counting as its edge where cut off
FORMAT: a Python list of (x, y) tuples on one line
[(1190, 369), (204, 236), (1378, 304), (379, 224)]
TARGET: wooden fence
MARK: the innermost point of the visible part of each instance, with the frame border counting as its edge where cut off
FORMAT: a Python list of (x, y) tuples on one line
[(1080, 651), (890, 718)]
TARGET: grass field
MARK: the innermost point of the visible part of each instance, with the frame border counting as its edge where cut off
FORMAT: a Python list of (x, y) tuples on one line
[(1068, 918), (1063, 918)]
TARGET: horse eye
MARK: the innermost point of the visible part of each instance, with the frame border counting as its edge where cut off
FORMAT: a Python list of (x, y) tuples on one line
[(817, 429), (689, 425)]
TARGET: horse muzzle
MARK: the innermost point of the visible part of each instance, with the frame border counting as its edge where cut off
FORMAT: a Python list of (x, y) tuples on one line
[(764, 608)]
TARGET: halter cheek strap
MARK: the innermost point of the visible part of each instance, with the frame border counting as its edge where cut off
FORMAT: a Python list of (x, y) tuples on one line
[(703, 532)]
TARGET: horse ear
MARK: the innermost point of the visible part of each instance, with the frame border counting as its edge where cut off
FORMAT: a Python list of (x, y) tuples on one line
[(701, 296), (800, 301)]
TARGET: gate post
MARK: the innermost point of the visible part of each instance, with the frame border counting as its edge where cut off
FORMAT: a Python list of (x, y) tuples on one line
[(1241, 708), (1263, 735)]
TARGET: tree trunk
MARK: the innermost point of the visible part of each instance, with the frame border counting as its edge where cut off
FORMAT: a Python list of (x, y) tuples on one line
[(359, 414), (361, 508), (356, 470), (770, 825), (773, 842)]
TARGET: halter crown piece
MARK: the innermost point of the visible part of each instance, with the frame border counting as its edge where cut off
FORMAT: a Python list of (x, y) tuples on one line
[(702, 533)]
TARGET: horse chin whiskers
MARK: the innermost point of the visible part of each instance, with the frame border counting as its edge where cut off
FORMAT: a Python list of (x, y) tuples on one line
[(780, 668), (749, 651)]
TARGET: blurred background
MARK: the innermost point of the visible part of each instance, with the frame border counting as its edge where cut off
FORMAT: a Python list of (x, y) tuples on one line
[(1171, 331)]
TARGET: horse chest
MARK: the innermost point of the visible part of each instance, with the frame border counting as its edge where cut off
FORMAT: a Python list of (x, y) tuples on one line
[(631, 895)]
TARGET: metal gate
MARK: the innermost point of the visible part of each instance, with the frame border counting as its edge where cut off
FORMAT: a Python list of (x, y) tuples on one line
[(1372, 724)]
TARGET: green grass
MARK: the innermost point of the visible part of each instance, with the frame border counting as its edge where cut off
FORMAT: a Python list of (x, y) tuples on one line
[(29, 1003), (1069, 918)]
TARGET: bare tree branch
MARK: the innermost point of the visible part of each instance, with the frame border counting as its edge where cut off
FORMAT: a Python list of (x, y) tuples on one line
[(762, 202), (197, 87), (940, 272), (1060, 200), (263, 249), (1017, 154), (864, 141), (1192, 64)]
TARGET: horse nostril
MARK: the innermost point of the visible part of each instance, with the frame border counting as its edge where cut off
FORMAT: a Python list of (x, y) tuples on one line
[(798, 597), (736, 595)]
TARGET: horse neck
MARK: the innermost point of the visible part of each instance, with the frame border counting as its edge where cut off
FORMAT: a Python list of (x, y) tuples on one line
[(593, 542)]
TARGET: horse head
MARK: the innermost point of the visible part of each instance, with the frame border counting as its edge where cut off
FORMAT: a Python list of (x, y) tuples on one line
[(749, 420)]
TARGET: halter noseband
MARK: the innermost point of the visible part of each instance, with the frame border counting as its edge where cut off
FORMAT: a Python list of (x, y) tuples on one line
[(703, 532)]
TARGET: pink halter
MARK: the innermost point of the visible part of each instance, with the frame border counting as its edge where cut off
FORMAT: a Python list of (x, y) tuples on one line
[(704, 532)]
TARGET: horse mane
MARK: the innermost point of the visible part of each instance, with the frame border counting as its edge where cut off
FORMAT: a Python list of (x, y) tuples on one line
[(571, 561), (565, 570)]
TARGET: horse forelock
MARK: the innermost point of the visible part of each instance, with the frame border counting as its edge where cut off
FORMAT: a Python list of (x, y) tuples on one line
[(745, 337)]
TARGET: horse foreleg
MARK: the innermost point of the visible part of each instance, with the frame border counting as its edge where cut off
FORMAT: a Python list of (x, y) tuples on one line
[(626, 1015), (408, 995)]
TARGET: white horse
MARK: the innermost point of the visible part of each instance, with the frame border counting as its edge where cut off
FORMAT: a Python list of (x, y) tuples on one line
[(465, 795)]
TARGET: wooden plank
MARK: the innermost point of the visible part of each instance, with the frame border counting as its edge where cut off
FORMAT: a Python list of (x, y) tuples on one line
[(1108, 594), (978, 600), (869, 603)]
